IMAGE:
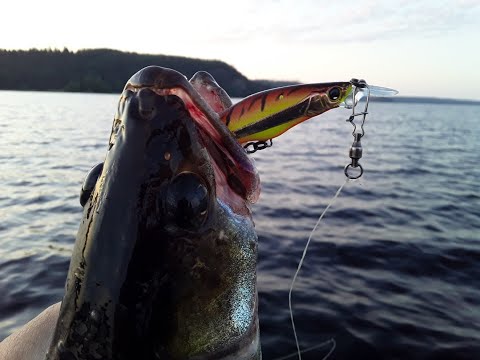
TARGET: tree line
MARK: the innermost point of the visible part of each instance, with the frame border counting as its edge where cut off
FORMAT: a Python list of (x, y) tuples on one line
[(106, 70)]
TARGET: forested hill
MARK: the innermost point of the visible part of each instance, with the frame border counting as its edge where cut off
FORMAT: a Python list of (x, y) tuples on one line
[(105, 70)]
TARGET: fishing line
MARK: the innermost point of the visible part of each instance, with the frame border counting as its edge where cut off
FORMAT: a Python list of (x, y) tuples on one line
[(361, 89), (318, 346), (300, 266)]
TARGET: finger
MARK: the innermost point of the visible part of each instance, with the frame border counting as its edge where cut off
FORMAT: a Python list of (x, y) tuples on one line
[(32, 341)]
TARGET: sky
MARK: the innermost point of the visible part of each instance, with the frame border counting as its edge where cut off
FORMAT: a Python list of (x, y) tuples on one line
[(421, 48)]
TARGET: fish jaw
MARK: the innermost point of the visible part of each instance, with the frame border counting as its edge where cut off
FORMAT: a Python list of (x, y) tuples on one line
[(151, 278), (213, 93), (232, 165)]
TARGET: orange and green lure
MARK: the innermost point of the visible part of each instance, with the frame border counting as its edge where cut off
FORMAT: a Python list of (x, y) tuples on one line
[(268, 114)]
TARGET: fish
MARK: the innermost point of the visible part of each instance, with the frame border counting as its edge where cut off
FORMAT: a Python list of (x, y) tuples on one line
[(164, 262)]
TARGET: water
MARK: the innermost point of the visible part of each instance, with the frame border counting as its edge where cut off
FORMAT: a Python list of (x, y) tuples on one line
[(393, 271)]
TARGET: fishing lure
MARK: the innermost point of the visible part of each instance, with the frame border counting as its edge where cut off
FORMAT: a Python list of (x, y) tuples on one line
[(265, 115), (268, 114)]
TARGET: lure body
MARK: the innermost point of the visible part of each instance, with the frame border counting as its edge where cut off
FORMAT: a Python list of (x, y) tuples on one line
[(268, 114)]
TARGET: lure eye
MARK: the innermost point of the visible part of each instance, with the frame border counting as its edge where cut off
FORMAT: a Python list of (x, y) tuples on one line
[(89, 183), (187, 200), (334, 93)]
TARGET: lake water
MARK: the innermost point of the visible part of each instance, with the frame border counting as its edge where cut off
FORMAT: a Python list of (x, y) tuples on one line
[(393, 271)]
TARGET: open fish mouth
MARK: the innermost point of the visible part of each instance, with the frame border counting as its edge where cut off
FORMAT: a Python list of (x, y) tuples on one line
[(164, 263), (237, 181)]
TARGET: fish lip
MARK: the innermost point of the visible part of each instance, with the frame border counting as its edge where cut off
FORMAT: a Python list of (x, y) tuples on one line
[(165, 82)]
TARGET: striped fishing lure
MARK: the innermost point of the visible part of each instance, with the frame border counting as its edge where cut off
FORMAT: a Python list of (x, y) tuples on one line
[(268, 114)]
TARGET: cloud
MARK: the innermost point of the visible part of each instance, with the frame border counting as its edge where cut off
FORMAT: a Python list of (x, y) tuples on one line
[(350, 21)]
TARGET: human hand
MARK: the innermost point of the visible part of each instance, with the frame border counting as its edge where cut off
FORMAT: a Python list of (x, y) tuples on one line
[(33, 340)]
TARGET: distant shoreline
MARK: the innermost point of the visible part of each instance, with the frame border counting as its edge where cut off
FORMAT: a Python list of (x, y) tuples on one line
[(426, 100), (106, 71)]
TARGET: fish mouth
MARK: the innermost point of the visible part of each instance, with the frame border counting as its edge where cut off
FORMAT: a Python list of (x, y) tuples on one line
[(164, 263), (237, 181)]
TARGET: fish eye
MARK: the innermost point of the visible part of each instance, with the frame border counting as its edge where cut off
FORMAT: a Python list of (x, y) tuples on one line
[(89, 183), (187, 200), (334, 93)]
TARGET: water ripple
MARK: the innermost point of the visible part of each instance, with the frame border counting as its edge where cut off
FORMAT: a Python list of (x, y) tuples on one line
[(392, 271)]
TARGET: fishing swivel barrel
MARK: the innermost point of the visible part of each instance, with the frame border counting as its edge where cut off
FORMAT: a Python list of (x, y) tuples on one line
[(355, 154)]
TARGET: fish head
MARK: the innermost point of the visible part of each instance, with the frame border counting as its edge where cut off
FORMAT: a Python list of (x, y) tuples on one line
[(164, 264)]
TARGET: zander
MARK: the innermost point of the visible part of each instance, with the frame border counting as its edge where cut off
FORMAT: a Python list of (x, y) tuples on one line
[(164, 264)]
